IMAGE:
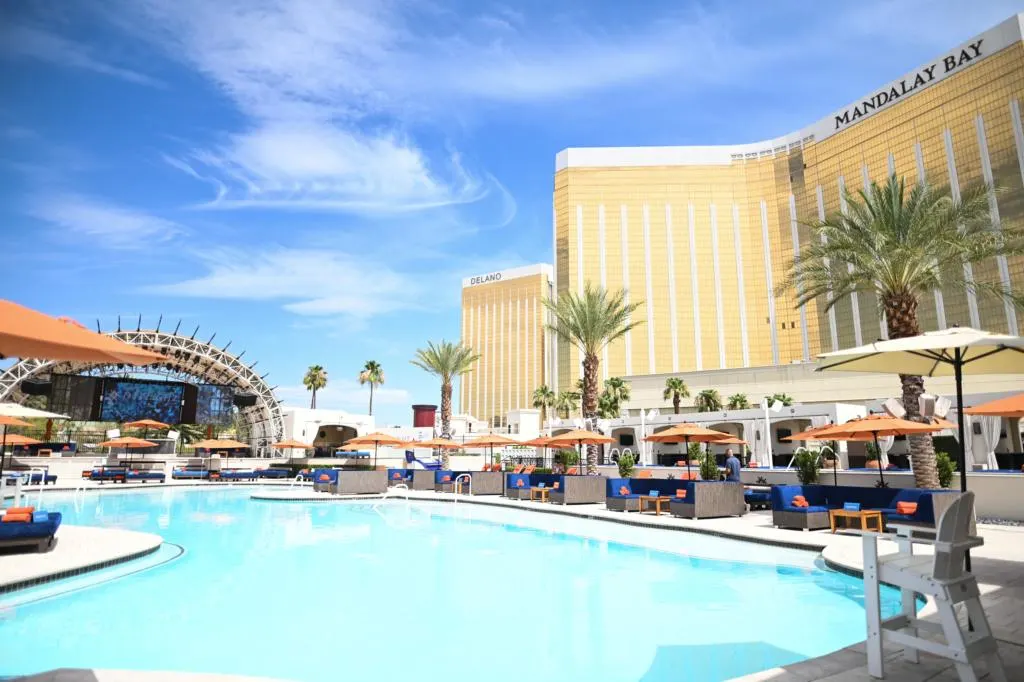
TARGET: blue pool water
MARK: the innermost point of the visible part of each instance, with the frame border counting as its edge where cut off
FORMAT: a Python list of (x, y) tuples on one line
[(325, 591)]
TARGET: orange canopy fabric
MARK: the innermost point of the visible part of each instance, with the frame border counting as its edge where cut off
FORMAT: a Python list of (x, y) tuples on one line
[(146, 424), (686, 432), (539, 442), (126, 442), (12, 421), (26, 333), (376, 439), (731, 440), (490, 440), (579, 437), (290, 444), (18, 439), (880, 425), (442, 443), (1003, 407), (219, 443)]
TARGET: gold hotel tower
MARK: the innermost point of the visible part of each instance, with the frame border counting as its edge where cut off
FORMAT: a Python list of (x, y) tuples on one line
[(703, 235), (504, 320)]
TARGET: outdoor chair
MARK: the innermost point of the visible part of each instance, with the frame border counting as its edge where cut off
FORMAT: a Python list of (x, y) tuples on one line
[(943, 578)]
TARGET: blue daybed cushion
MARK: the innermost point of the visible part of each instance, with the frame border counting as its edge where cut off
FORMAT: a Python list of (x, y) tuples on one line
[(40, 517)]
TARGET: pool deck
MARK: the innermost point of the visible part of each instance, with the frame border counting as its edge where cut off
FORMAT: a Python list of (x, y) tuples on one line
[(77, 549)]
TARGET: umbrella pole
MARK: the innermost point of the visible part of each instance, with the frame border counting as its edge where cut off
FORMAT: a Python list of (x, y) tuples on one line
[(686, 454), (878, 451), (3, 449), (835, 468), (958, 373), (376, 444)]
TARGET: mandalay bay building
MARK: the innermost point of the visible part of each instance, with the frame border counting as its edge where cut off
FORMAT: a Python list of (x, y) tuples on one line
[(703, 235)]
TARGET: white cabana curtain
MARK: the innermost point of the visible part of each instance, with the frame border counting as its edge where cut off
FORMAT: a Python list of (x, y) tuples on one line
[(990, 428), (884, 445), (758, 446)]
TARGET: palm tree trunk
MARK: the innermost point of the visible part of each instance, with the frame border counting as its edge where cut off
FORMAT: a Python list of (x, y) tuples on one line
[(590, 365), (446, 412), (675, 403), (371, 398), (901, 315), (312, 400)]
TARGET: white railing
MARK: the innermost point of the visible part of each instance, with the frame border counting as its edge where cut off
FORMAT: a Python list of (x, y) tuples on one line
[(42, 483), (455, 486), (297, 479), (398, 487)]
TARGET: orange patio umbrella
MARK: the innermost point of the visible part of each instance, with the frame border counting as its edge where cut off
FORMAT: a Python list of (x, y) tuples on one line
[(489, 440), (579, 438), (686, 433), (26, 333), (539, 442), (439, 443), (291, 444), (8, 421), (809, 434), (214, 443), (127, 442), (146, 425), (18, 439), (1003, 407), (874, 426), (377, 439)]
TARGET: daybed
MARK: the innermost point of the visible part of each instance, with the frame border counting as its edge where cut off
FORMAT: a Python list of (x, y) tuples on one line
[(823, 498), (23, 526)]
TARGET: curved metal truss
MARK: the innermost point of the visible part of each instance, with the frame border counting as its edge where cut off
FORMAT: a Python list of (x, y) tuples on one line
[(187, 360)]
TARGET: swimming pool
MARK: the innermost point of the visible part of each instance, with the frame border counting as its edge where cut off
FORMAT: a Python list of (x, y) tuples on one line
[(428, 591)]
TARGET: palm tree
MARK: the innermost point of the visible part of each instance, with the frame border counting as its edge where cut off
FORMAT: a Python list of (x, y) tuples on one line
[(786, 400), (315, 379), (446, 360), (708, 400), (618, 391), (738, 401), (607, 405), (676, 389), (543, 398), (566, 402), (590, 321), (901, 246), (372, 374)]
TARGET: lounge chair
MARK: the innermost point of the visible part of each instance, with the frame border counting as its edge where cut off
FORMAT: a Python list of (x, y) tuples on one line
[(236, 475), (273, 473), (25, 527), (518, 469), (104, 474), (145, 476), (325, 480), (757, 499), (530, 469), (189, 474)]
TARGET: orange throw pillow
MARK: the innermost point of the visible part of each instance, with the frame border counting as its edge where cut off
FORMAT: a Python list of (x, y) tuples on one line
[(623, 490), (800, 503), (519, 483), (396, 476), (906, 508), (20, 510), (555, 486), (17, 518), (446, 479), (681, 493), (324, 477), (799, 498)]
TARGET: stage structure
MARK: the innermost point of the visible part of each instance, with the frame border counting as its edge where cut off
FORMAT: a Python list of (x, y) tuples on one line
[(188, 360)]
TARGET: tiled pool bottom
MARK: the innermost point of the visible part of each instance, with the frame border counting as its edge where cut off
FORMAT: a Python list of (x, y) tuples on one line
[(430, 592)]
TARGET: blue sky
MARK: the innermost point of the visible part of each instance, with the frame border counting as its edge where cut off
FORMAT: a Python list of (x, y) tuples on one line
[(311, 179)]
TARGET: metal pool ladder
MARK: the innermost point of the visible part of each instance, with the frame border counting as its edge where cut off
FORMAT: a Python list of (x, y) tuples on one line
[(395, 488), (455, 486)]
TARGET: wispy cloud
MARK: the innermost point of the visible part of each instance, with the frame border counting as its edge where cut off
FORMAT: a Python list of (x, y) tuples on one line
[(109, 225), (344, 394), (32, 42), (306, 282)]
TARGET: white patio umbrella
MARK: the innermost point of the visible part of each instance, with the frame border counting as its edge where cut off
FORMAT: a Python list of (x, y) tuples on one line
[(947, 352), (16, 410)]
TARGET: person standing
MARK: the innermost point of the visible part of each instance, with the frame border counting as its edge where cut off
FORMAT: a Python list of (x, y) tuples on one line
[(732, 466)]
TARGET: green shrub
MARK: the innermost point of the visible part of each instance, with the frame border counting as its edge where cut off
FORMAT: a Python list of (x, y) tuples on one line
[(626, 463), (709, 467), (542, 470), (567, 457), (872, 452), (806, 463), (694, 452), (944, 465)]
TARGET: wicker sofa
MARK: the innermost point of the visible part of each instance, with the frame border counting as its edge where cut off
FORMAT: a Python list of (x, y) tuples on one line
[(578, 490), (823, 498), (517, 486), (708, 499)]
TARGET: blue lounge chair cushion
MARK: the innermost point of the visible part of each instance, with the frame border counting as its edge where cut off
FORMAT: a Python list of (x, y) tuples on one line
[(42, 529)]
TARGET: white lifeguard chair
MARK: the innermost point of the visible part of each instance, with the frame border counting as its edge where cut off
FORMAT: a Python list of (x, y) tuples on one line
[(942, 578)]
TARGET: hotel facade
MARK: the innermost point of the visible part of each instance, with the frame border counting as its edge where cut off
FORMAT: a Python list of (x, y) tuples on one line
[(703, 235), (504, 320)]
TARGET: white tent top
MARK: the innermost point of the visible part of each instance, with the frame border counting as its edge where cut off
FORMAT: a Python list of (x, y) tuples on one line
[(933, 354), (16, 410)]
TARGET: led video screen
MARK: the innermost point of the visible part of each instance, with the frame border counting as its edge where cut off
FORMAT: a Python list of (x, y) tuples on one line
[(214, 404), (75, 396), (129, 399)]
